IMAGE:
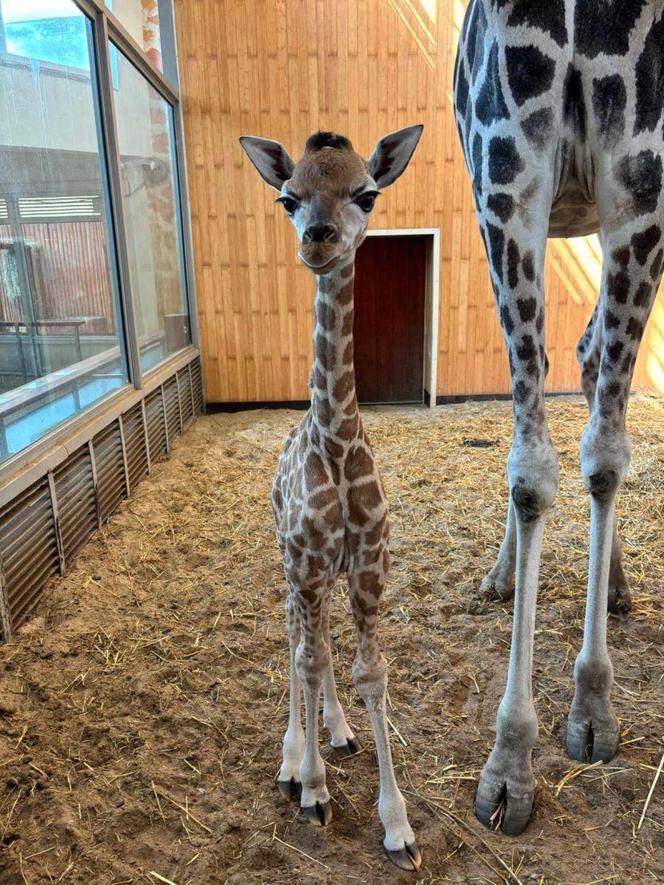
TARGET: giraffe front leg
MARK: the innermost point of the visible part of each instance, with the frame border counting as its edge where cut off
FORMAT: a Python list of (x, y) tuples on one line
[(312, 659), (288, 781), (588, 354), (631, 274), (515, 244), (370, 677)]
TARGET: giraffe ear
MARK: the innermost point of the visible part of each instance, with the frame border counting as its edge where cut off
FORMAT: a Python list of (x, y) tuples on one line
[(392, 154), (270, 159)]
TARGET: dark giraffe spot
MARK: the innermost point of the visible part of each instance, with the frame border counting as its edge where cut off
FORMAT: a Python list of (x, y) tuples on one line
[(618, 286), (461, 92), (527, 309), (325, 315), (347, 356), (475, 44), (621, 256), (527, 351), (347, 325), (614, 350), (477, 163), (529, 266), (529, 72), (501, 205), (490, 104), (642, 177), (656, 268), (634, 329), (643, 243), (505, 163), (650, 80), (324, 352), (609, 103), (539, 322), (506, 320), (358, 463), (574, 103), (604, 25), (548, 16), (643, 294), (345, 294), (513, 259), (496, 249), (362, 500), (537, 127), (628, 363), (611, 320), (520, 392), (343, 386)]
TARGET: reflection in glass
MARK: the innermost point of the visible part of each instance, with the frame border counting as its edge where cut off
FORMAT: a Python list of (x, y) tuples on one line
[(60, 345), (145, 133), (141, 20)]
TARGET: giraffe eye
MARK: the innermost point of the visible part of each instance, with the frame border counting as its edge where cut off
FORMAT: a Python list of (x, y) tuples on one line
[(366, 201), (289, 204)]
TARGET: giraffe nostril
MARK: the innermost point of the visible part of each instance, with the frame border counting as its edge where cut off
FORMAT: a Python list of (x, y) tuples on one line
[(320, 233)]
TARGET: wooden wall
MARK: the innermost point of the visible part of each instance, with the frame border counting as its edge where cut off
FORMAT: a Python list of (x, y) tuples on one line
[(285, 68)]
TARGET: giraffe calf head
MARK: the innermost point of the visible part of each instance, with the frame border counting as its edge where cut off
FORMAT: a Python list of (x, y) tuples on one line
[(330, 192)]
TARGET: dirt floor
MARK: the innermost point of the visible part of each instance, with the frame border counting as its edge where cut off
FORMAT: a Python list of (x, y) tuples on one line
[(142, 710)]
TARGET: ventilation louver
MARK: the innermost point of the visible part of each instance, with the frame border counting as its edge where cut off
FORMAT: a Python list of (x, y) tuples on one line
[(28, 549), (155, 417), (44, 527), (186, 398), (111, 483), (173, 423), (76, 502), (135, 445)]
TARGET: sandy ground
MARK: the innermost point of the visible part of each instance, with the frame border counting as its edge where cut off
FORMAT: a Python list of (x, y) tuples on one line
[(142, 710)]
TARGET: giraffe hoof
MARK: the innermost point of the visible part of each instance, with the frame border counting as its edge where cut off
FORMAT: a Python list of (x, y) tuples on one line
[(507, 812), (587, 742), (350, 748), (319, 814), (290, 790), (407, 858), (495, 586), (620, 600)]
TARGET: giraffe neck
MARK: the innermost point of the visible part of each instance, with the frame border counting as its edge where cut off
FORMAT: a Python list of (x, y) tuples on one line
[(333, 398)]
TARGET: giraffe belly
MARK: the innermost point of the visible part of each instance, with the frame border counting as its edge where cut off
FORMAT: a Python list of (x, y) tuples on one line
[(572, 215), (574, 209)]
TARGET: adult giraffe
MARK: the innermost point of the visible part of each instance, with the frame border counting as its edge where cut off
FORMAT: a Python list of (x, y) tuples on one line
[(560, 106), (327, 494)]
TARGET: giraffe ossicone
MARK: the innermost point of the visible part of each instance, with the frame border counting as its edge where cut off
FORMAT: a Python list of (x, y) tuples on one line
[(327, 495), (560, 112)]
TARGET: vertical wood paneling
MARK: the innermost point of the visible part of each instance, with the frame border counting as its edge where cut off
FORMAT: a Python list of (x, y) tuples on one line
[(361, 67)]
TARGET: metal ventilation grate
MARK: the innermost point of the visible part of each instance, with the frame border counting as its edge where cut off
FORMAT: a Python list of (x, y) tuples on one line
[(28, 548), (76, 502), (135, 445), (197, 384), (186, 395), (109, 462), (173, 422), (45, 526), (155, 418)]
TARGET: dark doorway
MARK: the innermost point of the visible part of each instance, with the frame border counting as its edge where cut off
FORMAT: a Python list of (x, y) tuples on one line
[(390, 282)]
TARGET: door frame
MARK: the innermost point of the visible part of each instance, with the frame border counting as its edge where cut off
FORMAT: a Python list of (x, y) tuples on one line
[(431, 300)]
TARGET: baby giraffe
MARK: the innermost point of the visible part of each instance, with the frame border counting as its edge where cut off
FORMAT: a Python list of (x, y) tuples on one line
[(327, 495)]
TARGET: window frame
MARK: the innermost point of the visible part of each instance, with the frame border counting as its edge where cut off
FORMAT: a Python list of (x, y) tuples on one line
[(106, 28)]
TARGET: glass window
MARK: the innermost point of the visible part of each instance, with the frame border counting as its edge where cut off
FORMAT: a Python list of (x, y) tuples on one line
[(145, 134), (61, 346), (141, 19)]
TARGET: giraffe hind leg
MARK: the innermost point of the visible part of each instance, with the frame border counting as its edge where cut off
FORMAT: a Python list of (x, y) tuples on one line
[(342, 739)]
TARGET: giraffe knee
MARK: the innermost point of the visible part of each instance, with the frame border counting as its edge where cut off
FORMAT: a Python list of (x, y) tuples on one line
[(533, 479), (605, 456), (311, 661), (370, 678)]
